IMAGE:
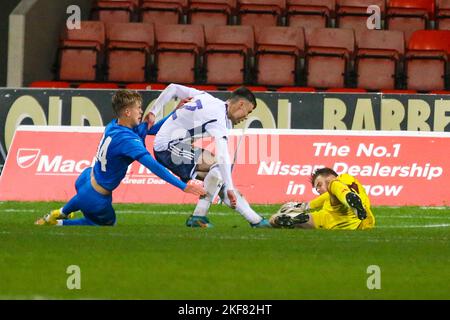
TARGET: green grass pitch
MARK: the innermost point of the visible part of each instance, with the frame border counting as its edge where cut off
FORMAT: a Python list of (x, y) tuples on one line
[(150, 254)]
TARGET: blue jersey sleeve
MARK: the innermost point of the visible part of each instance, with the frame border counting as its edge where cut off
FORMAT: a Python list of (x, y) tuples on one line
[(133, 147), (155, 128), (148, 161)]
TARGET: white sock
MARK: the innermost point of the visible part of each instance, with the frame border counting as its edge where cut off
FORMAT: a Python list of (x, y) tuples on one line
[(203, 204), (243, 207), (212, 182)]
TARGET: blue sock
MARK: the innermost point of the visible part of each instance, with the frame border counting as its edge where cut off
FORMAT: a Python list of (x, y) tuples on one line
[(78, 222)]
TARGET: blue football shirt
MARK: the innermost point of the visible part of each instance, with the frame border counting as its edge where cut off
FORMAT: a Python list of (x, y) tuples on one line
[(119, 147)]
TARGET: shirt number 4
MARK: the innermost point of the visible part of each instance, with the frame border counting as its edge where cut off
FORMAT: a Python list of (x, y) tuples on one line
[(102, 151)]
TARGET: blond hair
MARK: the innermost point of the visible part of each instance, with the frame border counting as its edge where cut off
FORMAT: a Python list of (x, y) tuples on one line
[(124, 98)]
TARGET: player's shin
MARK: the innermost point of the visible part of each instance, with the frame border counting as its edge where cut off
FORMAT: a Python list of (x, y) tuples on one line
[(242, 206), (213, 183)]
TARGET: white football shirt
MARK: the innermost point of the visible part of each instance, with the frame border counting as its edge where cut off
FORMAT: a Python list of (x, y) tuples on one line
[(204, 115)]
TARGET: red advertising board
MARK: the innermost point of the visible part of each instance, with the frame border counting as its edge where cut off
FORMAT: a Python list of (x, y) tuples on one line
[(271, 166)]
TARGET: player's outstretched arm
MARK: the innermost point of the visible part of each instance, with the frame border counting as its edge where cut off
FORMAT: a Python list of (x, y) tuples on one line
[(194, 189), (318, 202), (173, 90), (149, 162), (152, 127)]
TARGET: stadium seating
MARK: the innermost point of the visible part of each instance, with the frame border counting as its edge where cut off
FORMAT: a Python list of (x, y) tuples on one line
[(211, 12), (309, 14), (49, 84), (296, 89), (204, 87), (353, 13), (442, 14), (328, 57), (146, 86), (81, 52), (427, 60), (98, 85), (439, 92), (228, 54), (260, 14), (397, 91), (278, 53), (113, 11), (346, 90), (178, 52), (128, 51), (252, 88), (163, 11), (409, 15), (379, 58)]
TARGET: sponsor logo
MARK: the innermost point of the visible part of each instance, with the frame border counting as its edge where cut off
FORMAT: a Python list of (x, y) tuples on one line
[(26, 157)]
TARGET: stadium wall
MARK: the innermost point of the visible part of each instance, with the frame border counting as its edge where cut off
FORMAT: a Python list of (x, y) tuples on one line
[(34, 29), (322, 111), (271, 165), (7, 7)]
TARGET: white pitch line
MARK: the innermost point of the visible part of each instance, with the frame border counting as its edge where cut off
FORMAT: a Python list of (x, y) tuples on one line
[(176, 212), (442, 225)]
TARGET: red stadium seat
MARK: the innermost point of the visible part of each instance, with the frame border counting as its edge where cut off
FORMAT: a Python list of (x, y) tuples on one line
[(81, 52), (296, 89), (163, 11), (110, 11), (49, 84), (310, 14), (378, 59), (146, 86), (409, 15), (443, 14), (98, 85), (129, 49), (211, 12), (203, 87), (353, 14), (397, 91), (228, 53), (178, 52), (278, 53), (328, 57), (427, 54), (252, 88), (138, 86), (347, 90), (259, 13), (439, 92)]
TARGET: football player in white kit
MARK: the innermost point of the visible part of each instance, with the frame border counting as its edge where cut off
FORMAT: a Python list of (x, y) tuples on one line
[(204, 115)]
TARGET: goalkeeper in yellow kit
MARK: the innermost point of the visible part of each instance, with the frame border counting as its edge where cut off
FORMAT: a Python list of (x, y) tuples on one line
[(342, 204)]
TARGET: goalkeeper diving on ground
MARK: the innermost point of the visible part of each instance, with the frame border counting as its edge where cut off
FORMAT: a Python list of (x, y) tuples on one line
[(342, 204)]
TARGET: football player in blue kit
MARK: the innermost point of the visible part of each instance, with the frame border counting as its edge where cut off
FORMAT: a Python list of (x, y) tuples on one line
[(123, 142)]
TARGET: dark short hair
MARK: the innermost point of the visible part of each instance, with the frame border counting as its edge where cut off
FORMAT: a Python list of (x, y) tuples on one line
[(322, 172), (243, 93), (124, 98)]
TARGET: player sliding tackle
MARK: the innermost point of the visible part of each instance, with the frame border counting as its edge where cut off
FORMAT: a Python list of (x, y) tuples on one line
[(122, 143), (342, 204), (204, 115)]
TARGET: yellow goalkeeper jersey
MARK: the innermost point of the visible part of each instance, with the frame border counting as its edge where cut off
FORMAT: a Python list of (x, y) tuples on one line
[(341, 216)]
